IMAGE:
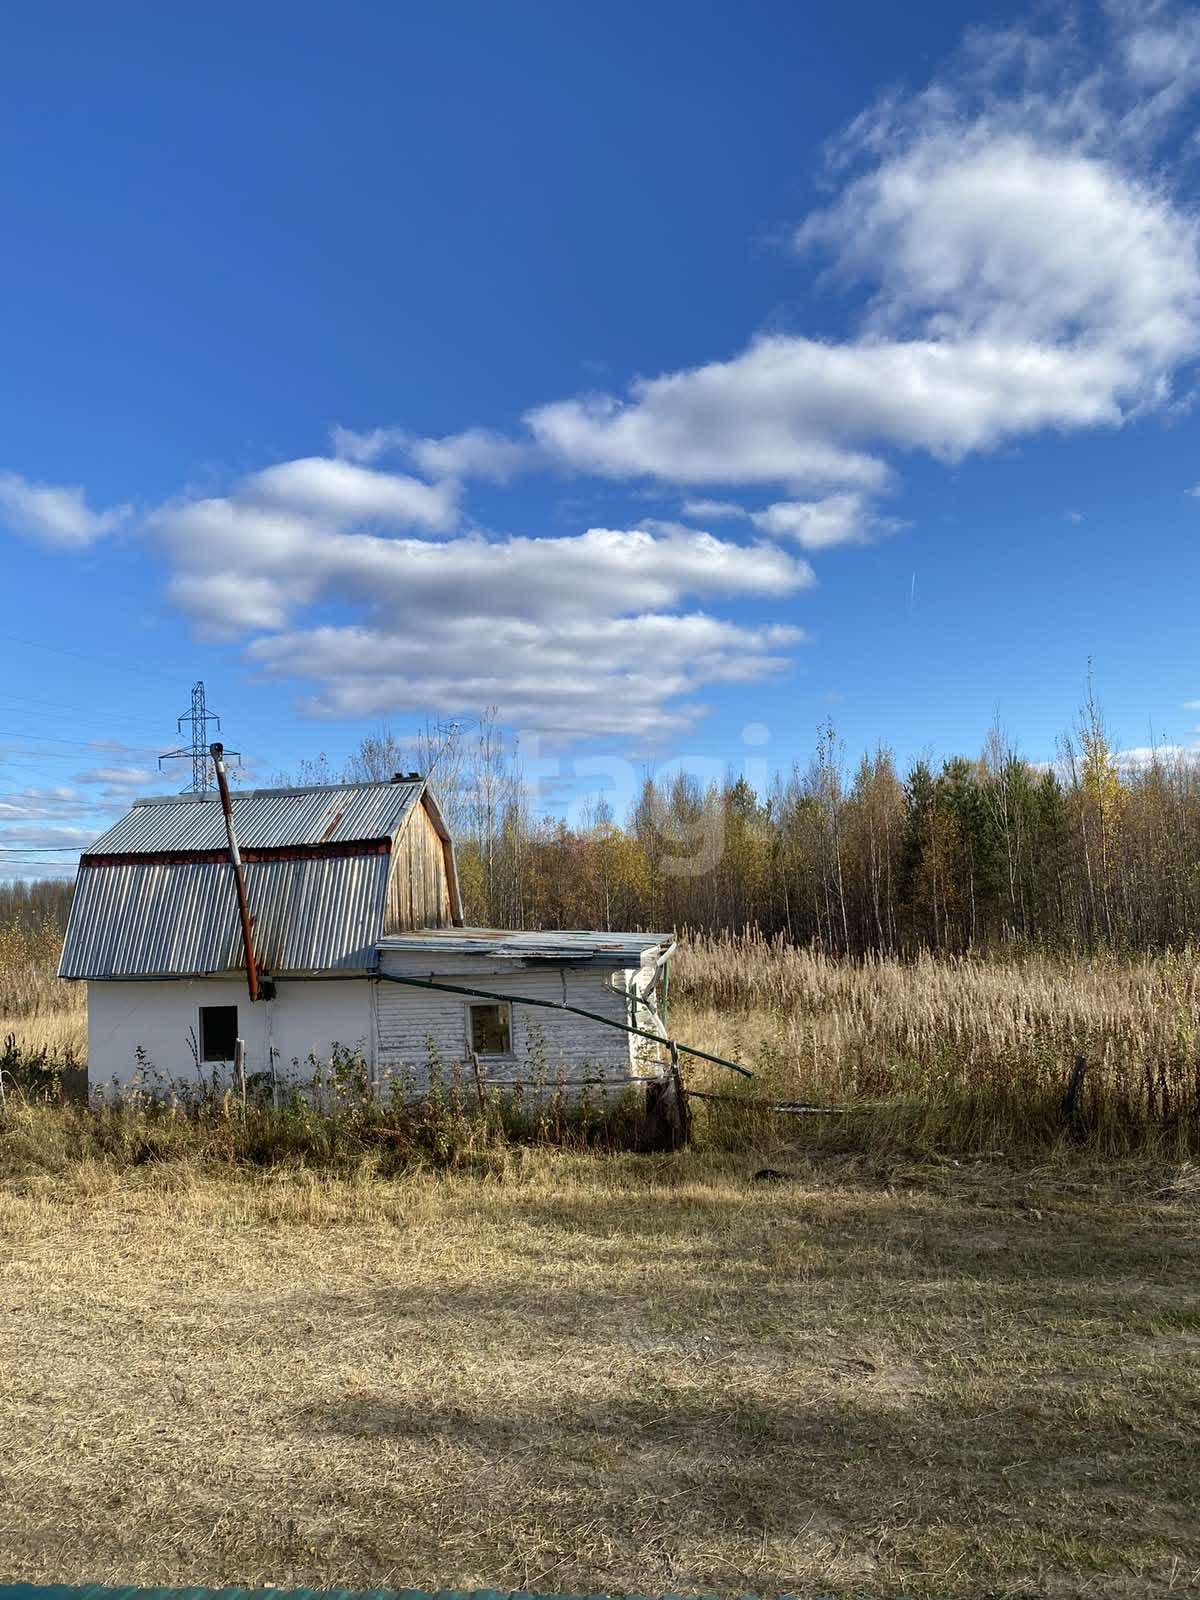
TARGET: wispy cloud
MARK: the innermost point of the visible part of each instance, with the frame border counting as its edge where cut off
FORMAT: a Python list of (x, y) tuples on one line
[(33, 805), (822, 524), (31, 837), (713, 511), (121, 777), (53, 514), (473, 453)]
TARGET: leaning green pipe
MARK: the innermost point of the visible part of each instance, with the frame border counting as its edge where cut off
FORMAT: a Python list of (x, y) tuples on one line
[(561, 1005)]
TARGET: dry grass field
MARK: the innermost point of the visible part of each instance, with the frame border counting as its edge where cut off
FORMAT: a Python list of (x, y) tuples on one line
[(34, 1007), (961, 1053), (955, 1352), (968, 1054), (606, 1373)]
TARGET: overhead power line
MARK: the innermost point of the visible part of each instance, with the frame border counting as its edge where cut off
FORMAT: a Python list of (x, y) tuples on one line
[(31, 849), (81, 744), (140, 671)]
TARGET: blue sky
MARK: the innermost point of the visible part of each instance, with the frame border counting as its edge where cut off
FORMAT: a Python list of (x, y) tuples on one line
[(651, 373)]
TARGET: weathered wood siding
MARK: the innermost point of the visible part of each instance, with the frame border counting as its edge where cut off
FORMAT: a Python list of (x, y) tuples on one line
[(418, 890), (554, 1045)]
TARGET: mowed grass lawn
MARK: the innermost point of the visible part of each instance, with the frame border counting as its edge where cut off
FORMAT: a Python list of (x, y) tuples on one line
[(606, 1373)]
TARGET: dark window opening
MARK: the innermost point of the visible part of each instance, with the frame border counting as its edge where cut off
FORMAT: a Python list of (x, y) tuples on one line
[(218, 1032), (490, 1031)]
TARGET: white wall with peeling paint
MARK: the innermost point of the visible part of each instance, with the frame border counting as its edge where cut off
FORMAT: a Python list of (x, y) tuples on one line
[(400, 1030)]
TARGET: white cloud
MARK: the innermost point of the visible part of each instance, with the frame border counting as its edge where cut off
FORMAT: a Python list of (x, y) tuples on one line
[(1159, 46), (1019, 264), (120, 777), (584, 633), (36, 804), (571, 678), (714, 511), (370, 445), (766, 416), (33, 838), (1023, 273), (342, 493), (819, 524), (53, 514), (238, 567), (981, 234), (1143, 758), (475, 453), (1016, 287), (249, 559)]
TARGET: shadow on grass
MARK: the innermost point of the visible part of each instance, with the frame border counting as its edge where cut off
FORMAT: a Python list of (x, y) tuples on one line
[(910, 1479)]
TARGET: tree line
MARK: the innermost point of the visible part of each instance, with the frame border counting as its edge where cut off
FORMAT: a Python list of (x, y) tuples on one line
[(28, 905), (974, 853)]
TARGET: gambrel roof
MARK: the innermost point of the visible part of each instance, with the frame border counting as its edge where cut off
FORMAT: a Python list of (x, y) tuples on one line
[(155, 894)]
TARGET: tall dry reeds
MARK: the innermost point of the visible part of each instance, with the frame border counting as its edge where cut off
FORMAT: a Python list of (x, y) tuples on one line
[(993, 1040), (39, 1009)]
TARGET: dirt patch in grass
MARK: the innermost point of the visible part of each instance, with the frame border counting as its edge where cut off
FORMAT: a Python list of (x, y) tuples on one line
[(584, 1374)]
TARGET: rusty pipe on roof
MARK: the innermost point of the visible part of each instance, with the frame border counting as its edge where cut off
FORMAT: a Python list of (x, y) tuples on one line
[(217, 752)]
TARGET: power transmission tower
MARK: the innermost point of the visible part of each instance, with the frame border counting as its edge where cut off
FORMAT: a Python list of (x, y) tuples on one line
[(199, 718)]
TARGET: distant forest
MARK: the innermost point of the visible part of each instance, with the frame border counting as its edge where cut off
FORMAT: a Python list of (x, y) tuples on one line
[(980, 853), (28, 905)]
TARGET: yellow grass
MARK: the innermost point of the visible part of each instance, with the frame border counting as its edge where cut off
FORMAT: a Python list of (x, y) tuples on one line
[(936, 1375), (35, 1007), (957, 1053), (983, 1012), (986, 1039), (583, 1374), (59, 1032)]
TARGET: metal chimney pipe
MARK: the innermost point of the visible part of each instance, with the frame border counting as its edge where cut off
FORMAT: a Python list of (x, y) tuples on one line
[(217, 752)]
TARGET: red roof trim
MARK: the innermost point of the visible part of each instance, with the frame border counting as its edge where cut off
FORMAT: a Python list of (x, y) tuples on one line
[(333, 851)]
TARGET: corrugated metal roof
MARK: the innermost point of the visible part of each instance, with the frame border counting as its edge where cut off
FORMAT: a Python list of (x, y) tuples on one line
[(568, 944), (180, 920), (263, 818)]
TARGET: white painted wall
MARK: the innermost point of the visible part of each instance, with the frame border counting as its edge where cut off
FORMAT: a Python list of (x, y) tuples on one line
[(554, 1045), (393, 1026), (304, 1018)]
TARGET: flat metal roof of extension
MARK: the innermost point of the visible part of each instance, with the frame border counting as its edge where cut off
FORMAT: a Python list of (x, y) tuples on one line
[(566, 944)]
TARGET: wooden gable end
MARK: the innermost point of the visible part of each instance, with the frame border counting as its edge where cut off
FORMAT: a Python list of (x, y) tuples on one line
[(423, 885)]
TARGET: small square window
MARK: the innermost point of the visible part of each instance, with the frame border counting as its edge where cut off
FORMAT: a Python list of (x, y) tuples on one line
[(491, 1033), (218, 1032)]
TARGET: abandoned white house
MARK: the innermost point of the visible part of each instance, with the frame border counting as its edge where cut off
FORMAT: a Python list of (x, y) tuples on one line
[(353, 902)]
